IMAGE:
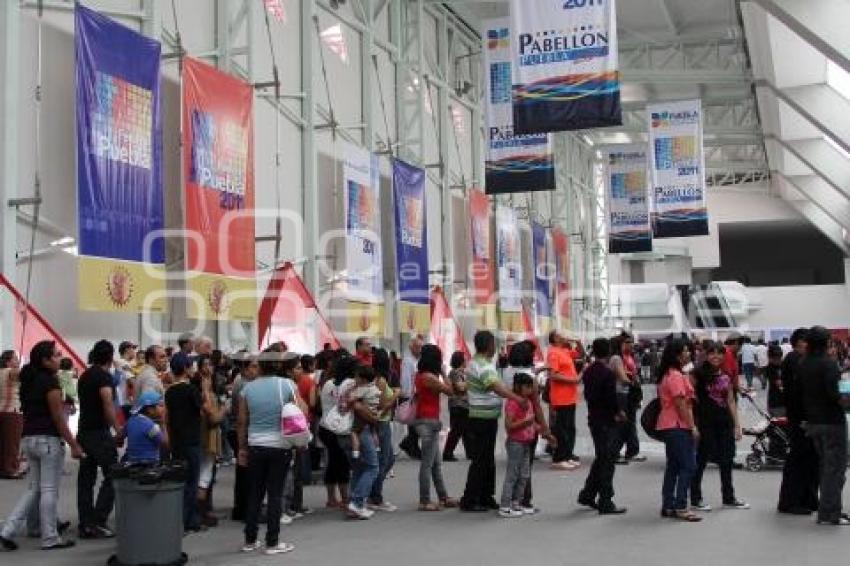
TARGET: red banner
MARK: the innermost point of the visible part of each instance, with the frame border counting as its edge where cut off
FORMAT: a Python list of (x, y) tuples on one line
[(289, 314), (218, 158), (531, 334), (446, 333), (561, 244), (482, 264), (36, 328)]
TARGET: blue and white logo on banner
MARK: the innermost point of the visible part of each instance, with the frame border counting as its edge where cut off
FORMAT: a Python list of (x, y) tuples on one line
[(515, 163), (678, 169), (565, 65)]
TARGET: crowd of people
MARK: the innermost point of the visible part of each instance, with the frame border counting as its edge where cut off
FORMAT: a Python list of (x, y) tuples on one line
[(195, 405)]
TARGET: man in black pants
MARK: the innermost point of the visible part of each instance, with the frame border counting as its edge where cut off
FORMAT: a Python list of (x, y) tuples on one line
[(826, 424), (798, 494), (97, 419), (485, 391), (604, 418)]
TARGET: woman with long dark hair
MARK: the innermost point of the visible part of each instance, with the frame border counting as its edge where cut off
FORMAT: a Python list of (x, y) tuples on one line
[(679, 430), (717, 420), (44, 430), (428, 385)]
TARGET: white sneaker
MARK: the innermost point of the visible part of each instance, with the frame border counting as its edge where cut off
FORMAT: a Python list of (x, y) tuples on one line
[(251, 547), (286, 519), (702, 506), (737, 504), (386, 507), (530, 510), (507, 513), (281, 548), (361, 513)]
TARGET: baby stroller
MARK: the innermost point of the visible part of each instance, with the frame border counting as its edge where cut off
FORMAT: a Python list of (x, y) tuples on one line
[(770, 439)]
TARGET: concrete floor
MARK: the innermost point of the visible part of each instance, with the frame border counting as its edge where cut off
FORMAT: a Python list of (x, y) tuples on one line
[(562, 534)]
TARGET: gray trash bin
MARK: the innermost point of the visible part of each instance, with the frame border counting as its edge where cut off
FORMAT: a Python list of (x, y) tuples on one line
[(149, 522)]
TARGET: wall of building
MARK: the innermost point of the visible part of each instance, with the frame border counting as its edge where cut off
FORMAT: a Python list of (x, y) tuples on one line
[(791, 307)]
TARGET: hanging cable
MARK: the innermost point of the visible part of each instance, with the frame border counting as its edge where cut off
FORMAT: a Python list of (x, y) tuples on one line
[(390, 143), (37, 174), (333, 123), (277, 161)]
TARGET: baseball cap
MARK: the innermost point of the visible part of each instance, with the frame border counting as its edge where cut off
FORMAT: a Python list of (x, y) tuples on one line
[(147, 399), (180, 362)]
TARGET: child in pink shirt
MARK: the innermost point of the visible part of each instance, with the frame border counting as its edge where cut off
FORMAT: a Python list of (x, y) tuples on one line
[(522, 431)]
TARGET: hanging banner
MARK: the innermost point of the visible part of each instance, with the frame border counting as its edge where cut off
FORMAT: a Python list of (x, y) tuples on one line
[(515, 163), (481, 272), (561, 245), (565, 65), (288, 313), (531, 333), (446, 333), (542, 276), (364, 259), (411, 232), (678, 169), (628, 204), (119, 167), (218, 160), (509, 265)]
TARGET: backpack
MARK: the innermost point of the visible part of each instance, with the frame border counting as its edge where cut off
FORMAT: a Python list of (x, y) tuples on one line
[(649, 419)]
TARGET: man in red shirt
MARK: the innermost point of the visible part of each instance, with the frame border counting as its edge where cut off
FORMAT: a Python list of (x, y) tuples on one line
[(563, 396), (730, 360), (363, 351)]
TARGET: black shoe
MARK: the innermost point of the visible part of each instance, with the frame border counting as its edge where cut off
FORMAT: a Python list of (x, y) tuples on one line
[(636, 458), (587, 502), (795, 511), (492, 505), (449, 459), (622, 461), (62, 526), (59, 545), (96, 532), (8, 545), (668, 514), (611, 509), (473, 509)]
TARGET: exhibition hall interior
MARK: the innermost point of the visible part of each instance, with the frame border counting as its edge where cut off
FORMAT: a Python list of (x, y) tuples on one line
[(289, 281)]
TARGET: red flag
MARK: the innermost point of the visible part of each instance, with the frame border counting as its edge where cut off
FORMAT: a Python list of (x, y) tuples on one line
[(446, 333), (289, 313), (275, 8), (37, 328)]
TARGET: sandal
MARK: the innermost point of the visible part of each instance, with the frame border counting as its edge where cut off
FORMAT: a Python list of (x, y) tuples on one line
[(429, 507), (687, 516), (448, 503)]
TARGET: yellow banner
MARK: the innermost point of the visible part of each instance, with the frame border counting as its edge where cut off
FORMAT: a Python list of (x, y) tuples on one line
[(218, 297), (414, 318), (112, 285), (365, 319), (511, 322)]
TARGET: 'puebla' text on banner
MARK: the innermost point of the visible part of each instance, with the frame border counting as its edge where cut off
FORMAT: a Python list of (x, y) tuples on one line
[(218, 159), (119, 167), (515, 163), (411, 232), (565, 65), (678, 169), (628, 203)]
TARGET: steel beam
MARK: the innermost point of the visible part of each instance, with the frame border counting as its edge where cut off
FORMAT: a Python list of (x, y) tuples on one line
[(819, 192), (10, 18), (309, 167)]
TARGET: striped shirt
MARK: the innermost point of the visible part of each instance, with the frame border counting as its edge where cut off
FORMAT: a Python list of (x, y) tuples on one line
[(483, 402), (10, 400)]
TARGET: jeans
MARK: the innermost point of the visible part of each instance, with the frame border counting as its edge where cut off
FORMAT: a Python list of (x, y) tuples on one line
[(191, 455), (481, 478), (364, 470), (564, 430), (101, 452), (386, 459), (681, 464), (458, 417), (517, 473), (430, 467), (719, 446), (831, 445), (600, 479), (267, 470), (749, 371), (36, 509)]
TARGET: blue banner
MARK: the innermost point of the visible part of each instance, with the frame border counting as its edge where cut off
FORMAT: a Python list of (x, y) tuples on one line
[(542, 270), (119, 140), (411, 231)]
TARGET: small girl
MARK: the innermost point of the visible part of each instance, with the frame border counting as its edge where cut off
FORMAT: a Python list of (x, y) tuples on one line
[(522, 432), (367, 392)]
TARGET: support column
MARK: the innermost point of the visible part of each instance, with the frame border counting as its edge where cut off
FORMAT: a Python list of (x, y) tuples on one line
[(366, 74), (309, 178), (10, 18), (446, 130)]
